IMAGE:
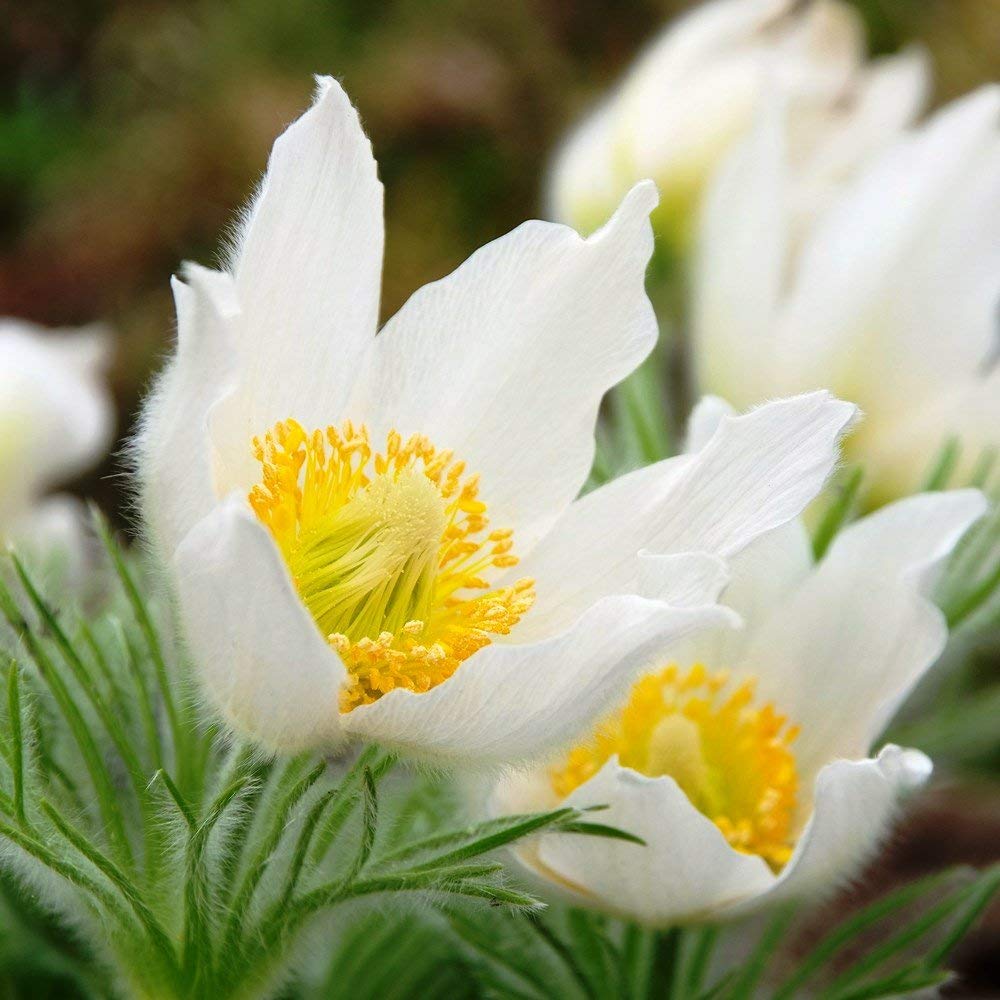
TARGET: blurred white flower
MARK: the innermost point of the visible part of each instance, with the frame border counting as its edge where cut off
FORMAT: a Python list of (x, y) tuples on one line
[(56, 421), (891, 299), (345, 511), (698, 89), (743, 763)]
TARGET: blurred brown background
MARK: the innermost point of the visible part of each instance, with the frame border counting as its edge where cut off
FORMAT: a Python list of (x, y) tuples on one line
[(131, 131)]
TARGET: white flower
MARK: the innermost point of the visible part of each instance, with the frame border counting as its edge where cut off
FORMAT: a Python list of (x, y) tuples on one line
[(344, 512), (698, 89), (742, 761), (56, 421), (891, 299)]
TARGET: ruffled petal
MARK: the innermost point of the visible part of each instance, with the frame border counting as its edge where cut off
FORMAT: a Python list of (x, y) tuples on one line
[(685, 871), (511, 703), (757, 472), (855, 803), (307, 263), (704, 421), (173, 453), (506, 360), (261, 658), (836, 312), (841, 652)]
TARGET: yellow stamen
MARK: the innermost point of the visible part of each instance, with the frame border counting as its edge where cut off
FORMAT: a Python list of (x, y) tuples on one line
[(733, 760), (389, 551)]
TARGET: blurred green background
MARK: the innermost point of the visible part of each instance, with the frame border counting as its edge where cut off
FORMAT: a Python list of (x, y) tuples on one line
[(131, 131)]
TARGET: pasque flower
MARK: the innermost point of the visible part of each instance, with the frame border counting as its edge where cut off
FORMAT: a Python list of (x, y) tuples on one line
[(891, 298), (742, 759), (345, 513), (698, 89), (56, 422)]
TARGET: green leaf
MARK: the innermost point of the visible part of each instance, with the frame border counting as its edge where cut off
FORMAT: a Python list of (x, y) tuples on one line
[(943, 467), (839, 511)]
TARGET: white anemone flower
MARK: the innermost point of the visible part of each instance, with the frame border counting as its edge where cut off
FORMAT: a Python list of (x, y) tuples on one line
[(891, 299), (56, 422), (742, 761), (698, 88), (344, 512)]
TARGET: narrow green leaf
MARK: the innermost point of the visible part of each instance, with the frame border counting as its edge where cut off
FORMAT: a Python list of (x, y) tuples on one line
[(91, 752), (17, 738), (898, 984), (943, 467), (178, 729), (130, 892), (476, 832), (488, 946), (641, 412), (197, 893), (637, 961), (983, 468), (83, 678), (345, 800), (175, 794), (147, 710), (851, 929), (262, 857), (491, 842), (748, 978), (977, 897), (897, 943), (600, 830), (66, 870), (704, 941), (838, 512), (302, 847), (569, 957)]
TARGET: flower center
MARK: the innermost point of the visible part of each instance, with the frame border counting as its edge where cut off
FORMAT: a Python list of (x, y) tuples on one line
[(732, 759), (388, 551)]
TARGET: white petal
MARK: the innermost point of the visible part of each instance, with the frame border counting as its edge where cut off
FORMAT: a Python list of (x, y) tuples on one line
[(307, 265), (56, 417), (260, 656), (767, 571), (740, 266), (173, 453), (855, 803), (684, 579), (704, 421), (890, 95), (756, 473), (582, 184), (842, 651), (686, 870), (868, 231), (506, 360), (510, 703), (756, 581)]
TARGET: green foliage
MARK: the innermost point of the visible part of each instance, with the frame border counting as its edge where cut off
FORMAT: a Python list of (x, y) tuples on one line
[(892, 947), (186, 864)]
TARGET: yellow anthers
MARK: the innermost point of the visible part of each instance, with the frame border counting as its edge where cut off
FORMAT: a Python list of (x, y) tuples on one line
[(733, 760), (389, 551)]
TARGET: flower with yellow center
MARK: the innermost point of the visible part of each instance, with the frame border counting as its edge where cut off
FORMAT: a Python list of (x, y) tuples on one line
[(732, 758), (388, 553), (700, 85), (890, 297), (345, 513), (744, 764)]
